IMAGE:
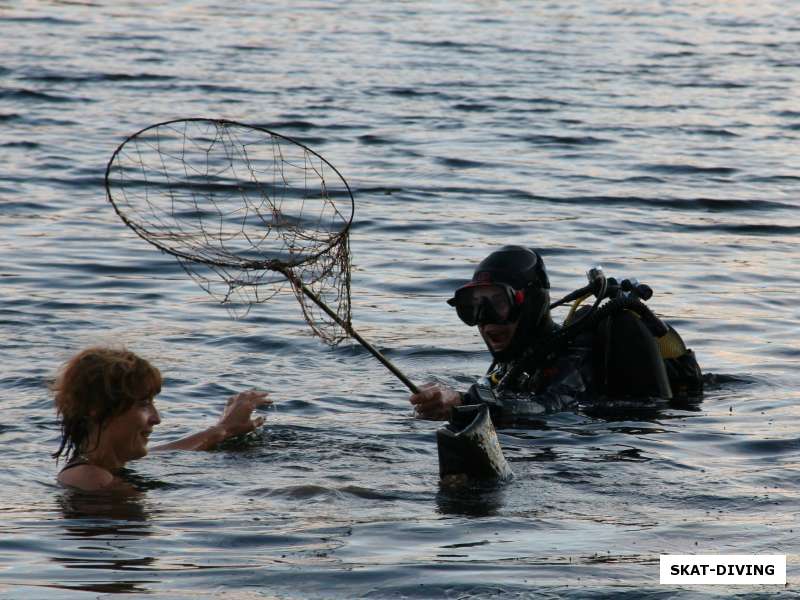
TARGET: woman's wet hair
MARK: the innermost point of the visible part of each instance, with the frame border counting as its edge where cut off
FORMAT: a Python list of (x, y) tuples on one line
[(95, 385)]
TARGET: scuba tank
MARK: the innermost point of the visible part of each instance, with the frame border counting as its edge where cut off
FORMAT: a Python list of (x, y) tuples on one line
[(635, 354)]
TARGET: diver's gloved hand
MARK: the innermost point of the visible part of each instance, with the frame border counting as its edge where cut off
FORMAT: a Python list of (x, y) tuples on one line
[(434, 401)]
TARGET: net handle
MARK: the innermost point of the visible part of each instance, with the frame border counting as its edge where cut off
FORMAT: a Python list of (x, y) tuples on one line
[(349, 329)]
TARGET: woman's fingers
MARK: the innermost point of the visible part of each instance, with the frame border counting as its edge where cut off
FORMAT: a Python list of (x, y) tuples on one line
[(254, 397), (262, 400)]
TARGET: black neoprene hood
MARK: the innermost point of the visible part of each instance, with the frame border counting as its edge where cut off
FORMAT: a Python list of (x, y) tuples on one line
[(516, 266), (522, 269)]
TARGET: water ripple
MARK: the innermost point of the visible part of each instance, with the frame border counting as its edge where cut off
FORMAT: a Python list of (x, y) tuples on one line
[(460, 128)]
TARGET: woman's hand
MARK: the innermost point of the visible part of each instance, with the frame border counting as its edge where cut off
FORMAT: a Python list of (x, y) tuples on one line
[(235, 420), (237, 416), (433, 401)]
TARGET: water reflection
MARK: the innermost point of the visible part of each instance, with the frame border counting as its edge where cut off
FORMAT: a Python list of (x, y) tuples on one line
[(687, 182), (470, 498), (637, 409), (116, 587), (117, 521), (88, 515)]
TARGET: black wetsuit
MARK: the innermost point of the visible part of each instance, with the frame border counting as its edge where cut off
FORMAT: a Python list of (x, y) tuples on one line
[(557, 384), (578, 373)]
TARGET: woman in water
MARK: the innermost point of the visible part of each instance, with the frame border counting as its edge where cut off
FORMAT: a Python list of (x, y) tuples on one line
[(104, 398)]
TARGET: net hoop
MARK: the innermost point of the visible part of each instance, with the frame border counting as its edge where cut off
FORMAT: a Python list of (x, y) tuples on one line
[(254, 265)]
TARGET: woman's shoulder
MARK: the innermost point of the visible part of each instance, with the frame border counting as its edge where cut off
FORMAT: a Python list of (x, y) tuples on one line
[(86, 477)]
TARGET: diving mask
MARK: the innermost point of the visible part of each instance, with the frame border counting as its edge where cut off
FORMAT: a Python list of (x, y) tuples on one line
[(485, 304)]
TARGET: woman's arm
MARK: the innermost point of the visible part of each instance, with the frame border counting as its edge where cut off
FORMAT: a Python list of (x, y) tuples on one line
[(235, 420)]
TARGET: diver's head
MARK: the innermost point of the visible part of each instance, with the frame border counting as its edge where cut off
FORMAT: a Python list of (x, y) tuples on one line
[(508, 299)]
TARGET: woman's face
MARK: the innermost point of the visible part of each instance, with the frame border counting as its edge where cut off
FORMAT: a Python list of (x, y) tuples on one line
[(125, 435)]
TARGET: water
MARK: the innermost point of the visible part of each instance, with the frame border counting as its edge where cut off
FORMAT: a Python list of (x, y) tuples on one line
[(657, 139)]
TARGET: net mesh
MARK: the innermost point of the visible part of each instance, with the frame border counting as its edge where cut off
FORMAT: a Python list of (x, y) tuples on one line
[(244, 210)]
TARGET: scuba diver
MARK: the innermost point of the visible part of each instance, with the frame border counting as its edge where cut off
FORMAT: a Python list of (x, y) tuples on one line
[(617, 350)]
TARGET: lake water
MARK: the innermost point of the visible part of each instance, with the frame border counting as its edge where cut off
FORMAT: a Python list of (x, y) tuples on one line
[(658, 139)]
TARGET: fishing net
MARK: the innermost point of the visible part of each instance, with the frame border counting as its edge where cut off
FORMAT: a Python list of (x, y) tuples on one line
[(245, 211)]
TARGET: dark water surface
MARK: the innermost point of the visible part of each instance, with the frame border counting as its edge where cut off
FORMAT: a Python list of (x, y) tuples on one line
[(658, 139)]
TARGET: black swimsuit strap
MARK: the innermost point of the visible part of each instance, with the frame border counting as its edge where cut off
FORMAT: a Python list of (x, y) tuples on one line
[(76, 462)]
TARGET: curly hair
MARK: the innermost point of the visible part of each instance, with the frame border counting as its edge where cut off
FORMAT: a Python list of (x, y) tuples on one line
[(95, 385)]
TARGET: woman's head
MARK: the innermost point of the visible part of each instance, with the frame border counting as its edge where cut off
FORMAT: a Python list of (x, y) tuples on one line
[(96, 385)]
